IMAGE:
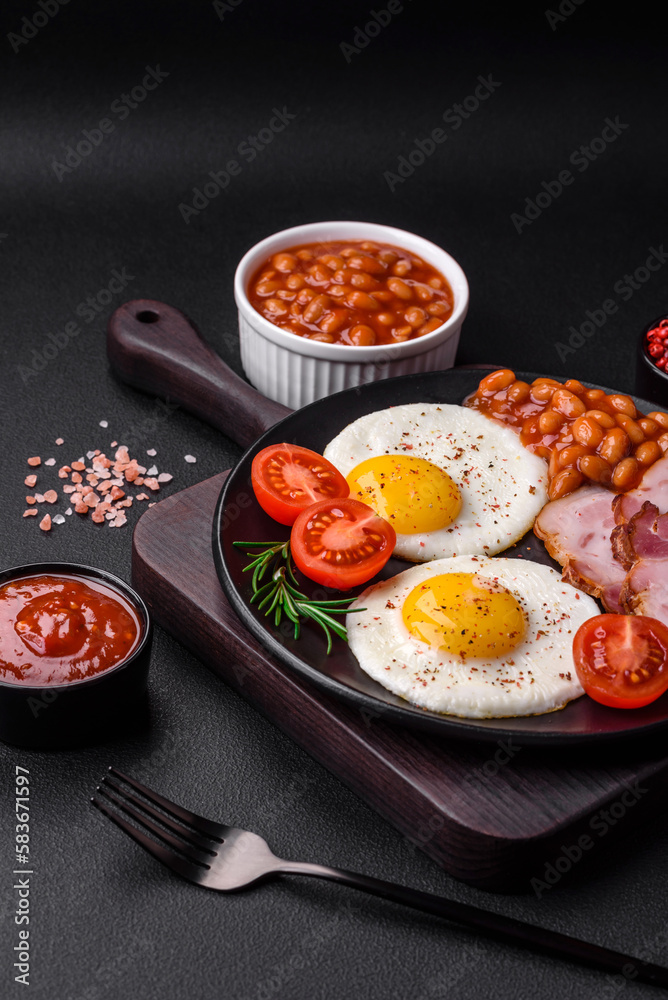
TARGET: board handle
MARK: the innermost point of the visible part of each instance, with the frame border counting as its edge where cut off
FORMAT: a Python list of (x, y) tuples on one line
[(155, 347)]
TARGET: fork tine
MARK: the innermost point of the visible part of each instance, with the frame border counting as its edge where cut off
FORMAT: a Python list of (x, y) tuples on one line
[(186, 832), (180, 865), (199, 823), (192, 853)]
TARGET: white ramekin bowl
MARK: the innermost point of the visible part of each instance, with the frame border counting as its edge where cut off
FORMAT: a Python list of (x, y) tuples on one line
[(294, 370)]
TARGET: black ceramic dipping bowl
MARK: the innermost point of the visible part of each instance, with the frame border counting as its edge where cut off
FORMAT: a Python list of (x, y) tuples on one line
[(651, 382), (57, 716)]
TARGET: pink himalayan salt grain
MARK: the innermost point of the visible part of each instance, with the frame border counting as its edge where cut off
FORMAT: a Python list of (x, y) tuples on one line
[(60, 441), (30, 512), (85, 499)]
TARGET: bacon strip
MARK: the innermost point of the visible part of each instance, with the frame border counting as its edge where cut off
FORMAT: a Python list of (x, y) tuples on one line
[(576, 531), (653, 486), (644, 543)]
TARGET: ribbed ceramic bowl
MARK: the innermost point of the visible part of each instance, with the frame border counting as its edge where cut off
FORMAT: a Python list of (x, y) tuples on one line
[(294, 370), (58, 716)]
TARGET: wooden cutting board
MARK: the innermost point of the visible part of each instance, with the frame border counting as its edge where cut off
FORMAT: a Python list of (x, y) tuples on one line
[(499, 817)]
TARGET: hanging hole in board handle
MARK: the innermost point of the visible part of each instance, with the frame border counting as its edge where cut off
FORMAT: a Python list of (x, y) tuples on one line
[(155, 347)]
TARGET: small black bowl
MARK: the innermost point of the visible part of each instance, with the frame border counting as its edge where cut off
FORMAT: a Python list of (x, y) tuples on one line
[(58, 716), (651, 382)]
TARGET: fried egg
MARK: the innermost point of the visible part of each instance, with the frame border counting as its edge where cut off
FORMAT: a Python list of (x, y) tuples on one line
[(474, 637), (447, 478)]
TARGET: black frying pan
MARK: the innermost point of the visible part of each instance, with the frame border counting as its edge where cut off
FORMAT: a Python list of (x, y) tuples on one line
[(155, 347)]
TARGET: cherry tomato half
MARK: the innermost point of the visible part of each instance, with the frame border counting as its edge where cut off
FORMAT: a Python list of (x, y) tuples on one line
[(622, 660), (341, 543), (287, 478)]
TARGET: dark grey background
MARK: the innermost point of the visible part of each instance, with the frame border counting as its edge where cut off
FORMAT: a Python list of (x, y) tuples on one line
[(107, 920)]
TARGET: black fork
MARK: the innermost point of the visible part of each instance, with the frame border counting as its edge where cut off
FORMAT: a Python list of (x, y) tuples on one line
[(226, 859)]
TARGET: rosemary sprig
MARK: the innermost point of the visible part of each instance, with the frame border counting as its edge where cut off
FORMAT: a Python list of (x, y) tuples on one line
[(281, 594)]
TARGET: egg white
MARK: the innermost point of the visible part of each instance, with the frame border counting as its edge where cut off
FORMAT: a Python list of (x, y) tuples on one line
[(502, 485), (537, 676)]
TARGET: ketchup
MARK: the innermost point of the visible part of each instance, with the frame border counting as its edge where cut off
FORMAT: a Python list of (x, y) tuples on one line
[(55, 629)]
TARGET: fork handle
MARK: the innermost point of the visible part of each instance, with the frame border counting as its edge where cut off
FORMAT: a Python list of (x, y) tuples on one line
[(493, 924)]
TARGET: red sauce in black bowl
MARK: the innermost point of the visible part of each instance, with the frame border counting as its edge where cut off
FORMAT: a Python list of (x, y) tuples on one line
[(57, 629)]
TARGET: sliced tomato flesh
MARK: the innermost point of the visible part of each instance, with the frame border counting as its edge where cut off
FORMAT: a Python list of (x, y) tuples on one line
[(622, 660), (287, 478), (341, 543)]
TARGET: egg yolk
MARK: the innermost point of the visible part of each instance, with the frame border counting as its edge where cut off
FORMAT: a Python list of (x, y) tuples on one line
[(465, 614), (414, 495)]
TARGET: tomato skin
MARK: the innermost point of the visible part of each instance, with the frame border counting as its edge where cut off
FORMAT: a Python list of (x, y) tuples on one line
[(610, 650), (311, 478), (349, 527)]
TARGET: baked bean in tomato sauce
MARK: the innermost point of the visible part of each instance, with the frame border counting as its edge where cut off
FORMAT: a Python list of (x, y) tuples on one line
[(586, 435), (354, 292)]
